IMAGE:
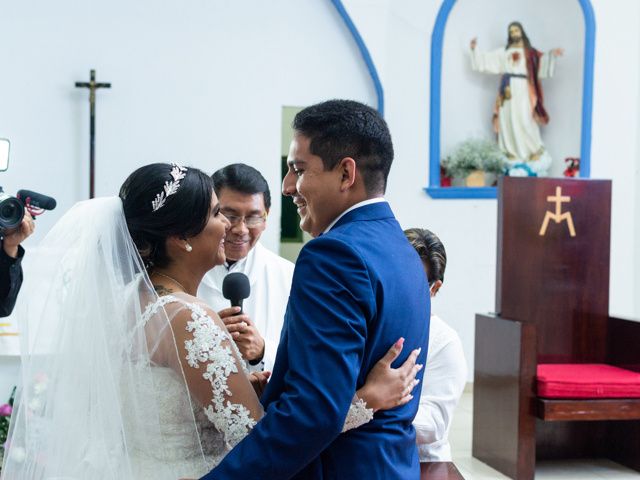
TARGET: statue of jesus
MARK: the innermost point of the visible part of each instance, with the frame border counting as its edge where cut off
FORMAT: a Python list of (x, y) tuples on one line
[(519, 109)]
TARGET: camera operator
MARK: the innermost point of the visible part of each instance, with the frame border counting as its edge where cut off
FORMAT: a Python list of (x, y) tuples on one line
[(11, 253)]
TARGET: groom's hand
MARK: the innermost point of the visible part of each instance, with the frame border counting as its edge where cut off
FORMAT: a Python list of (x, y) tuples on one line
[(244, 333)]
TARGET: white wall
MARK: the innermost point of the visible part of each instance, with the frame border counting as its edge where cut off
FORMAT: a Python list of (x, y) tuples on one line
[(204, 82), (615, 152), (635, 162), (199, 82), (468, 97), (637, 238)]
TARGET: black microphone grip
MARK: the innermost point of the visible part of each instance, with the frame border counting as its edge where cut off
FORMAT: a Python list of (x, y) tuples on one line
[(37, 200)]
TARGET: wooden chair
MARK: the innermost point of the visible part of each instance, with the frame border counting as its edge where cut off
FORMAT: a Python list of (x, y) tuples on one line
[(552, 299)]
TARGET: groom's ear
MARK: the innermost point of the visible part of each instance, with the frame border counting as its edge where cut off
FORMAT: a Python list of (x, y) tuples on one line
[(347, 168)]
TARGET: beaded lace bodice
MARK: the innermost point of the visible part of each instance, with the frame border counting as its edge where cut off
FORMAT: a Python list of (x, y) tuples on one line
[(213, 351), (221, 423)]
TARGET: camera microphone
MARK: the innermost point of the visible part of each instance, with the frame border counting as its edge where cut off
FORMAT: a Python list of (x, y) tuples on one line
[(36, 200)]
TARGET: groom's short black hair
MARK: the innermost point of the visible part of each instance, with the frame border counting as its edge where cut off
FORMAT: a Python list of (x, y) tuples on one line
[(345, 128), (242, 178)]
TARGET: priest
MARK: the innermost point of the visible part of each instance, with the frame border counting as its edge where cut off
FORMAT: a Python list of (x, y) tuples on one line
[(245, 200)]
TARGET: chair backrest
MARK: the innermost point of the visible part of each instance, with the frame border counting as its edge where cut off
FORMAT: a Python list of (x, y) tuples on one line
[(553, 263)]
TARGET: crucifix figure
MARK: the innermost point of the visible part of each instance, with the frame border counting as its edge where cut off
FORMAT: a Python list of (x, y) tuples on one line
[(92, 85)]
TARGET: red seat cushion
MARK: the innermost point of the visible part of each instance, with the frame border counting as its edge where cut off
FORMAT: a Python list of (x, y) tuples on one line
[(590, 380)]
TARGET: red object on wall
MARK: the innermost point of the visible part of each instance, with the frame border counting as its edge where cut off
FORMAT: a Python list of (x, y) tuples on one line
[(444, 180), (573, 167)]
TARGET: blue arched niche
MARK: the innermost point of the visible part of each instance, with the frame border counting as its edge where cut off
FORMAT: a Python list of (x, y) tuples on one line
[(434, 189), (364, 51)]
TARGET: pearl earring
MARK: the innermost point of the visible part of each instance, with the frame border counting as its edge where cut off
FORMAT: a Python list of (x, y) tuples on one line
[(188, 247)]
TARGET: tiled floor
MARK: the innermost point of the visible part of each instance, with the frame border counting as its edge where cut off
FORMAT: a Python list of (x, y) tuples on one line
[(473, 469)]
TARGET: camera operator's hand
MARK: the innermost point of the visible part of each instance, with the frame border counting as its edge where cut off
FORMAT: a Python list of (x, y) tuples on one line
[(18, 235)]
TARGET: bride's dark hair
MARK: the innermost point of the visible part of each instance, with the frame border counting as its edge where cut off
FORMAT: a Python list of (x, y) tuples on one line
[(184, 214)]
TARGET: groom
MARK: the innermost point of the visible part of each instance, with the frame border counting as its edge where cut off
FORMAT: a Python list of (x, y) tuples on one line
[(357, 287)]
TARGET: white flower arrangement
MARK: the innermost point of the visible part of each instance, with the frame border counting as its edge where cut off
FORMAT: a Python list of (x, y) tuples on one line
[(474, 154)]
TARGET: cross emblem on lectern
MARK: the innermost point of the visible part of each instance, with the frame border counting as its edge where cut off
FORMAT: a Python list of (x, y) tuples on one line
[(558, 216)]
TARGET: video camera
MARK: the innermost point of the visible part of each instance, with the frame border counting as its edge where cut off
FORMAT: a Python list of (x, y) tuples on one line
[(12, 208)]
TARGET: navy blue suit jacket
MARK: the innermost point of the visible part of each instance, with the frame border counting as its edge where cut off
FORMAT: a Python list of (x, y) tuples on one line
[(356, 290)]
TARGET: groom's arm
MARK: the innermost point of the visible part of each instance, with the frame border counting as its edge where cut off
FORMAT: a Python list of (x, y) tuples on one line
[(330, 300)]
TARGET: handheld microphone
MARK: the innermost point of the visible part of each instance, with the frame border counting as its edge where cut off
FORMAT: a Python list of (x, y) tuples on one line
[(235, 288), (37, 200)]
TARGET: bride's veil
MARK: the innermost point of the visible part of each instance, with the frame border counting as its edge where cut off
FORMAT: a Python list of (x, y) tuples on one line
[(88, 402)]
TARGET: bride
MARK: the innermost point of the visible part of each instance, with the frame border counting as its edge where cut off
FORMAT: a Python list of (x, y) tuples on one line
[(125, 373)]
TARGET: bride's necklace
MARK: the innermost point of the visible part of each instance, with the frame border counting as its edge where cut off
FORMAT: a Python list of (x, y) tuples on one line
[(172, 279)]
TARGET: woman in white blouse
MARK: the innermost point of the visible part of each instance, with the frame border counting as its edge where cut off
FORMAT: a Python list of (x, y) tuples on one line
[(446, 369)]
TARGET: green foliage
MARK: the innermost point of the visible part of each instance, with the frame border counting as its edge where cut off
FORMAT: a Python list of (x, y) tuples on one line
[(4, 431), (4, 424), (474, 154)]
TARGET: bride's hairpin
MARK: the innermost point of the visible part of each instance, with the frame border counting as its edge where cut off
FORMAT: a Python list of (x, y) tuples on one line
[(177, 173)]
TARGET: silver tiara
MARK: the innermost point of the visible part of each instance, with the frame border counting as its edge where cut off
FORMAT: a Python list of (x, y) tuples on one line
[(177, 173)]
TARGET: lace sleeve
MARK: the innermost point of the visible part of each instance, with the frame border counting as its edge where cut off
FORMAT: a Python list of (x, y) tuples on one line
[(215, 374), (358, 414)]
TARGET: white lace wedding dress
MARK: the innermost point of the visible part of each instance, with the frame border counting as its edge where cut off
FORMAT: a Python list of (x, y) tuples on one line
[(225, 421), (181, 452), (222, 422)]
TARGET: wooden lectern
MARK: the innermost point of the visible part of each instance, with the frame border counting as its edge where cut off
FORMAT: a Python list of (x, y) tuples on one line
[(552, 304)]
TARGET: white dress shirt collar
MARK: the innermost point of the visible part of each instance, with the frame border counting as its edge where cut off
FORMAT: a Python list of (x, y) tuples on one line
[(369, 201)]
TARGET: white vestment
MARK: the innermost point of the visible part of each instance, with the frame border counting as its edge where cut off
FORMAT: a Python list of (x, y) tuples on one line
[(518, 132), (444, 378), (270, 278)]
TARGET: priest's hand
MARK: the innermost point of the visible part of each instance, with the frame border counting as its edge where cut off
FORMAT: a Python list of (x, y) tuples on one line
[(244, 333), (557, 52), (474, 43), (387, 387)]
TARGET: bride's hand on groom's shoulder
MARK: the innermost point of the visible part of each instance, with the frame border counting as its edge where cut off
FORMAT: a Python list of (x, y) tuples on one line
[(387, 387)]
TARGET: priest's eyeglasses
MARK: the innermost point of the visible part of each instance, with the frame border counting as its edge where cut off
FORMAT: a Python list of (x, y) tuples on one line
[(252, 221)]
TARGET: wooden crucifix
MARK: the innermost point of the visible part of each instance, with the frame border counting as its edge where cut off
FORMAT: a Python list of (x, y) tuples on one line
[(92, 85)]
